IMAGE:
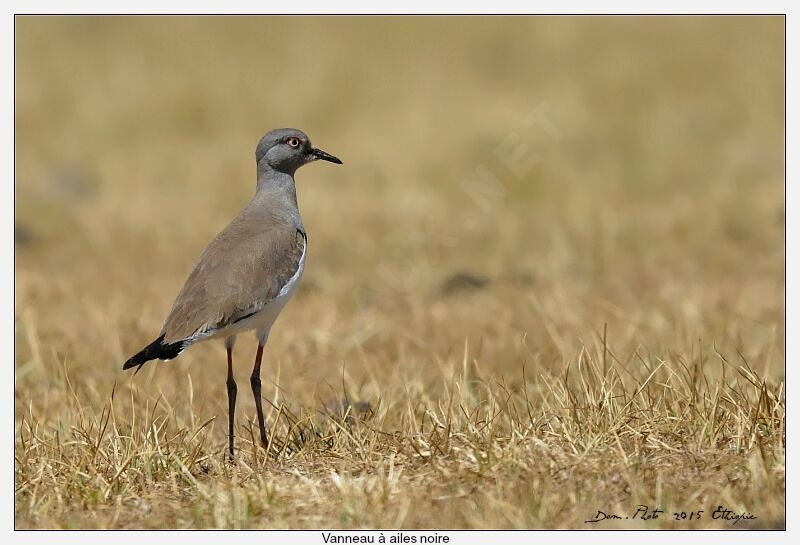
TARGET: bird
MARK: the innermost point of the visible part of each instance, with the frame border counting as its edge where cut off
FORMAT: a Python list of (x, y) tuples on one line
[(248, 272)]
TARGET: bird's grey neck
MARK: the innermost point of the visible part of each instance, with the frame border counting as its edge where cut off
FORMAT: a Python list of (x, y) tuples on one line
[(275, 191), (278, 185)]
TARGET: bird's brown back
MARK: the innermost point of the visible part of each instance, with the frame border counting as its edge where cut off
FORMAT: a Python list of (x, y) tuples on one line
[(240, 271)]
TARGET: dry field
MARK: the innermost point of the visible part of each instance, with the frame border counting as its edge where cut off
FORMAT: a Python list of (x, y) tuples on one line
[(548, 279)]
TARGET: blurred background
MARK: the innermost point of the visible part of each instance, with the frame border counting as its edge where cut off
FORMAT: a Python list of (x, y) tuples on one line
[(520, 198), (513, 184)]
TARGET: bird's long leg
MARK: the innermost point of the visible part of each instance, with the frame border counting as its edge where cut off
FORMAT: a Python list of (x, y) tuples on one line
[(255, 382), (231, 400)]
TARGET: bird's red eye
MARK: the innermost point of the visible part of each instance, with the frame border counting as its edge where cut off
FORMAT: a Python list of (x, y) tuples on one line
[(292, 141)]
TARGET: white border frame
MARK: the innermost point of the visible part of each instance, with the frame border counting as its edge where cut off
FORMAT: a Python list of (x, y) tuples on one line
[(417, 7)]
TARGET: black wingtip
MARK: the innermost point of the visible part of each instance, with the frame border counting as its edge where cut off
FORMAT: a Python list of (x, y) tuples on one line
[(156, 350)]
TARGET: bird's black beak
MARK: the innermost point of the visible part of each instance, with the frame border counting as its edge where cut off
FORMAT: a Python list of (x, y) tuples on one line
[(319, 154)]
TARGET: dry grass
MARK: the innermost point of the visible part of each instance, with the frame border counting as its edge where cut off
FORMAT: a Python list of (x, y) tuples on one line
[(602, 330)]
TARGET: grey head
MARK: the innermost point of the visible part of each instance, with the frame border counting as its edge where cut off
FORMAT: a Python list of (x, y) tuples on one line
[(286, 150)]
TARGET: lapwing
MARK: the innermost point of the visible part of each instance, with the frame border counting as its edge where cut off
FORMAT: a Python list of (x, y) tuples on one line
[(248, 272)]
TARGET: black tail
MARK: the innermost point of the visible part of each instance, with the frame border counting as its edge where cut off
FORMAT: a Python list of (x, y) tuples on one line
[(156, 350)]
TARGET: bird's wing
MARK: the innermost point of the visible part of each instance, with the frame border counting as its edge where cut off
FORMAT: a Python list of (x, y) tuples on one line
[(244, 268)]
